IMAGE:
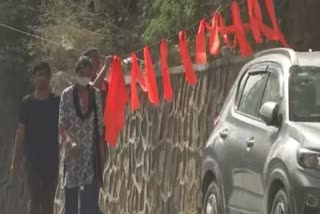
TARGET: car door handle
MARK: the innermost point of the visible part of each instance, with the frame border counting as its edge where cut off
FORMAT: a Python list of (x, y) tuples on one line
[(250, 142), (224, 133)]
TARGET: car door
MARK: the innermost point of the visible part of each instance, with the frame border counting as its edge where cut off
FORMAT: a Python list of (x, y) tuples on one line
[(258, 139), (246, 109)]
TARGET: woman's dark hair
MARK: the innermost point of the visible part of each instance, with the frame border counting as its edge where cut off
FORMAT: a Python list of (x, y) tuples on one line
[(43, 67), (83, 62), (91, 52)]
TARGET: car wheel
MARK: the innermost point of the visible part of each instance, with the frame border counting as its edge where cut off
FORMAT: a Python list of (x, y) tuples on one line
[(280, 203), (213, 200)]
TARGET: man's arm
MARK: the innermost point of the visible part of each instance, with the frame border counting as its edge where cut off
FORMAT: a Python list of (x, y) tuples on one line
[(98, 82), (18, 150)]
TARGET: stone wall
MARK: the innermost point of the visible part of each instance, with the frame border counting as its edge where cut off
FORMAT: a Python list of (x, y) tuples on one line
[(156, 166)]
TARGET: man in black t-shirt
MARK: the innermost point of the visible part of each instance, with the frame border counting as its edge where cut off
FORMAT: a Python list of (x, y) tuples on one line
[(37, 141)]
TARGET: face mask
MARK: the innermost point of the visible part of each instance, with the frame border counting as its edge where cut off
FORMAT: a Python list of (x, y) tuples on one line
[(83, 81)]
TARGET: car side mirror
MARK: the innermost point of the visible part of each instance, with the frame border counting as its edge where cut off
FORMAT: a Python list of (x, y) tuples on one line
[(269, 113)]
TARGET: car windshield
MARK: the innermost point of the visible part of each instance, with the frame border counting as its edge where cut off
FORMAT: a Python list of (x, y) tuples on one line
[(304, 94)]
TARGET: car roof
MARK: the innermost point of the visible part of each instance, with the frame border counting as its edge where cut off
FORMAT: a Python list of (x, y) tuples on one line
[(296, 58), (308, 58)]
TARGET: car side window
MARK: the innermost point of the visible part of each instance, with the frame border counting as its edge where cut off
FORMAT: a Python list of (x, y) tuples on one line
[(272, 92), (252, 93), (240, 89)]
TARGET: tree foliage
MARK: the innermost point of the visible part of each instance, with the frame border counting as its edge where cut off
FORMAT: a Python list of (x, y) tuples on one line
[(14, 58), (67, 27)]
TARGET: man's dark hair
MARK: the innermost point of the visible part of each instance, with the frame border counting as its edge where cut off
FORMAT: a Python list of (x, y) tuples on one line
[(83, 62), (91, 52), (43, 67)]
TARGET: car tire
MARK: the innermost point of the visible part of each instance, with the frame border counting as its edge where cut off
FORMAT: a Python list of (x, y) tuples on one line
[(281, 204), (213, 200)]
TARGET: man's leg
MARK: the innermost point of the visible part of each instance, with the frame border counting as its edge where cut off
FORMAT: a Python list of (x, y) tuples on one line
[(34, 182), (71, 200), (49, 191), (89, 197)]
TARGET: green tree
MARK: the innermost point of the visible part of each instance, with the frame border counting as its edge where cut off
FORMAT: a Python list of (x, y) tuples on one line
[(14, 58)]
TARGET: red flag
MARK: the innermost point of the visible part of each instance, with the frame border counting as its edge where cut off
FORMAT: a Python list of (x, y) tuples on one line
[(117, 99), (266, 30), (151, 78), (254, 13), (277, 34), (244, 46), (225, 34), (167, 87), (273, 33), (190, 74), (201, 53), (136, 74), (214, 43)]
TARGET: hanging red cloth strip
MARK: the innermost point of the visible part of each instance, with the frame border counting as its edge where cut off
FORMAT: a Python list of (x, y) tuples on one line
[(244, 45), (214, 43), (150, 78), (201, 53), (225, 34), (266, 30), (116, 101), (277, 34), (166, 82), (273, 33), (190, 74), (136, 75), (254, 13)]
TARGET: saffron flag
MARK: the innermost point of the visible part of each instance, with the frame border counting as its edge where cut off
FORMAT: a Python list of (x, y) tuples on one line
[(225, 33), (277, 34), (201, 53), (244, 45), (151, 78), (190, 74), (117, 99), (167, 87), (136, 76), (214, 43), (254, 14)]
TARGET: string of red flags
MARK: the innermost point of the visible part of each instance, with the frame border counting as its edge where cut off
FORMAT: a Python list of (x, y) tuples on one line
[(233, 36)]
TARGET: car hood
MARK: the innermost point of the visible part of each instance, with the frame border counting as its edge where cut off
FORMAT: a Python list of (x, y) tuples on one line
[(308, 134)]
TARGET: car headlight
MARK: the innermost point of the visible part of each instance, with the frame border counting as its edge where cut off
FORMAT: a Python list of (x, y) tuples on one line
[(308, 158)]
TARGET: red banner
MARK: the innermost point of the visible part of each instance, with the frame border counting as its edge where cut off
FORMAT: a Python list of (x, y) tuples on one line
[(190, 74), (117, 99), (201, 52), (151, 78), (166, 82), (136, 75)]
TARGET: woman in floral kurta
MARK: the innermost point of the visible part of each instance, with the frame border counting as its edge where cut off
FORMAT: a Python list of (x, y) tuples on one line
[(76, 122)]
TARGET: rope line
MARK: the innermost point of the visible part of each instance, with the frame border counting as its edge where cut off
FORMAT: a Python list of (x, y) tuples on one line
[(126, 55)]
